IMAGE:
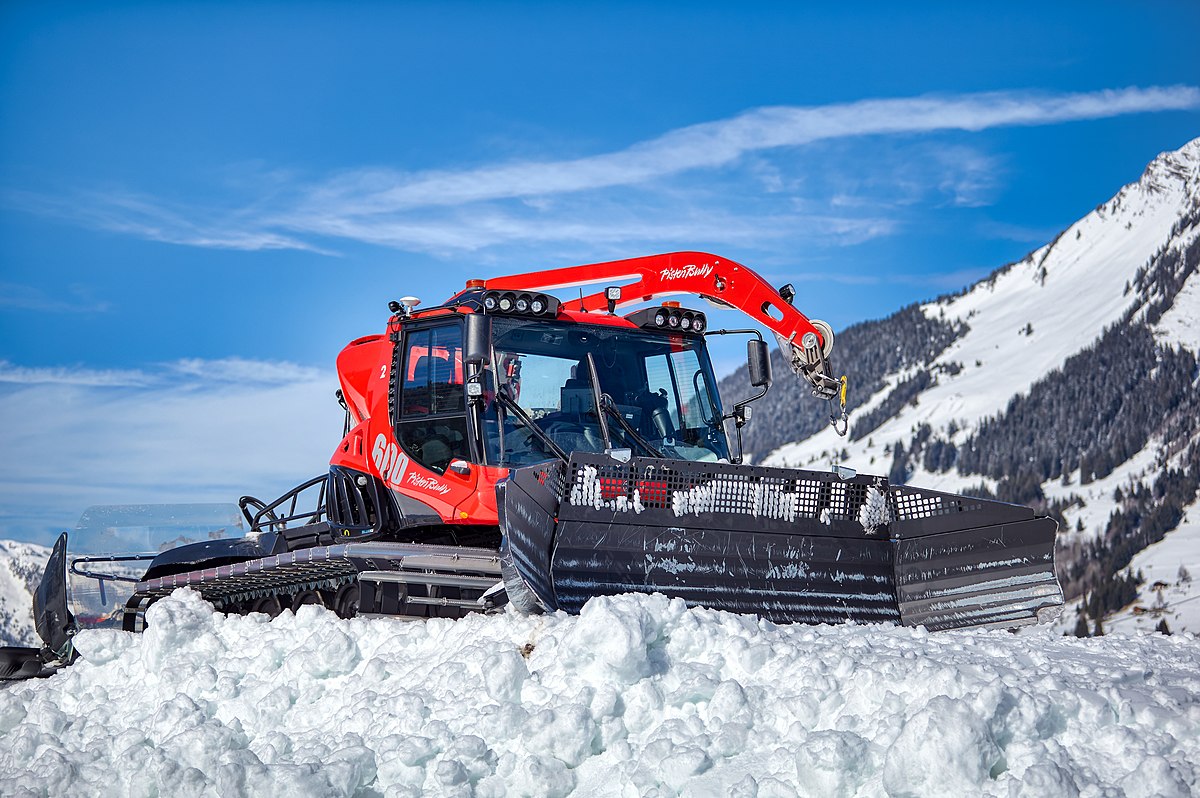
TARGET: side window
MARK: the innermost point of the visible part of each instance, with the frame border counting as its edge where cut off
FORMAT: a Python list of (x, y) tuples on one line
[(432, 424), (433, 371)]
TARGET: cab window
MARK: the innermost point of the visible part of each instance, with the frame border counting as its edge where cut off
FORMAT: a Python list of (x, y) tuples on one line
[(432, 425)]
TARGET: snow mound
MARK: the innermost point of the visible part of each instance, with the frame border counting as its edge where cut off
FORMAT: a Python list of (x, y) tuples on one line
[(638, 695)]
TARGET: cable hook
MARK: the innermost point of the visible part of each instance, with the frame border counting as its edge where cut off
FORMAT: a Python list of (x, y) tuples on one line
[(840, 424)]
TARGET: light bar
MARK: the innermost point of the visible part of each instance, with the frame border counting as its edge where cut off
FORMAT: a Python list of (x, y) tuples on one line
[(670, 319), (520, 303)]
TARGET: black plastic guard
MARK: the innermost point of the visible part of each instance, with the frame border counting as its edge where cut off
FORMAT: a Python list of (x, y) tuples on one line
[(54, 622)]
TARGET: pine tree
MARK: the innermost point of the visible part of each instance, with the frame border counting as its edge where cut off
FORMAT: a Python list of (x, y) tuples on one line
[(1162, 627), (1099, 630), (1081, 627)]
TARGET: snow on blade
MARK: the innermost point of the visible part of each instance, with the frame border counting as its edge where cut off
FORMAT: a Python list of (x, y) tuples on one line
[(874, 512), (638, 695)]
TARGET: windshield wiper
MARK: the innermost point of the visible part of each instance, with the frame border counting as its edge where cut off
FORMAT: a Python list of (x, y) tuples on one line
[(611, 408), (507, 403), (606, 406), (598, 402)]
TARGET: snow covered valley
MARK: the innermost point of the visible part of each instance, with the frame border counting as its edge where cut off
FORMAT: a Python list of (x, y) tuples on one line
[(637, 696)]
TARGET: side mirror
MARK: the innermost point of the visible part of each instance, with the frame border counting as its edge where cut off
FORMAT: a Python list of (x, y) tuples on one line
[(477, 349), (758, 359)]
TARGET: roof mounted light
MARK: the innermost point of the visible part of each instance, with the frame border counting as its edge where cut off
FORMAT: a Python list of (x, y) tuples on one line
[(670, 319), (613, 295), (523, 303)]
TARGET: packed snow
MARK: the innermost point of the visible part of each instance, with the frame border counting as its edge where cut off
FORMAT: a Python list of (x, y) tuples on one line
[(638, 695)]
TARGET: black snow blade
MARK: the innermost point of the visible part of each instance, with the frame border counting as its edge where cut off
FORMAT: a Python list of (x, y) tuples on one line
[(963, 561), (789, 545), (54, 622), (22, 663)]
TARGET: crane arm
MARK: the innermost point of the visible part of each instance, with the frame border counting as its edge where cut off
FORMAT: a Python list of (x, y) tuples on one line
[(806, 344)]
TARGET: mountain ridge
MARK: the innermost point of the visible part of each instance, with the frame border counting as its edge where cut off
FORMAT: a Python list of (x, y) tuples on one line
[(1039, 382)]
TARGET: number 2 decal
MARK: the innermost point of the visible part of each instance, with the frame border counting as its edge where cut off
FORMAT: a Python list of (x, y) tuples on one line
[(383, 371)]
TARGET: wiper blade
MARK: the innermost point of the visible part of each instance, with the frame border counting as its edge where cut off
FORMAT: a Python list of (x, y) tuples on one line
[(610, 407), (598, 402), (509, 404)]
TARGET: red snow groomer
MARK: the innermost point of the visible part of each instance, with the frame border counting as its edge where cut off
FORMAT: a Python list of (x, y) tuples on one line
[(512, 447)]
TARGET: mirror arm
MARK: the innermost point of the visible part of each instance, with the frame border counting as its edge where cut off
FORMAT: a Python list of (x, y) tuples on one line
[(739, 414)]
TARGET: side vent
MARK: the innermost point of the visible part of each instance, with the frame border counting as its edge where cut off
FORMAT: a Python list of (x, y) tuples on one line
[(357, 505)]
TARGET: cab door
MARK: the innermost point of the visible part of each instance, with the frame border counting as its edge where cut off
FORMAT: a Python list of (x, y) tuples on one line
[(430, 416)]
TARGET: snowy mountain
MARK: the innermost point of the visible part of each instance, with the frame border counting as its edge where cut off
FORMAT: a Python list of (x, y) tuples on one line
[(1067, 381), (637, 696), (21, 567)]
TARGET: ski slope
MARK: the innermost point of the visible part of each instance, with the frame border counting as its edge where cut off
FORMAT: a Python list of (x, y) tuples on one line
[(1167, 594), (1030, 318), (21, 567), (638, 696)]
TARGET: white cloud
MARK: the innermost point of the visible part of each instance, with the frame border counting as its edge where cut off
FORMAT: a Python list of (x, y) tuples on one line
[(77, 298), (180, 373), (72, 375), (191, 431), (713, 144), (247, 372), (658, 190)]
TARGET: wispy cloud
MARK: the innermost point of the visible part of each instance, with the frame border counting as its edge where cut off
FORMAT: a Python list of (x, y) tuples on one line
[(68, 375), (942, 281), (78, 299), (181, 432), (186, 373), (714, 144), (620, 194), (246, 372)]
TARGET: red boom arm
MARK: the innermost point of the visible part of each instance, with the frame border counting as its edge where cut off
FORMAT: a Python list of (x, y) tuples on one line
[(698, 273)]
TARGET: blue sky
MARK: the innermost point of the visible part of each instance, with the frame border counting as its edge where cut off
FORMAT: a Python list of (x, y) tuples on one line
[(201, 203)]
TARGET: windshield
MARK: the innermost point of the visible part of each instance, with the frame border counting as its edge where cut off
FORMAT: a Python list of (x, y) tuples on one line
[(662, 385), (111, 546)]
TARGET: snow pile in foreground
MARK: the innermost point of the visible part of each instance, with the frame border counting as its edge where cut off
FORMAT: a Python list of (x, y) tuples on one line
[(637, 696)]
